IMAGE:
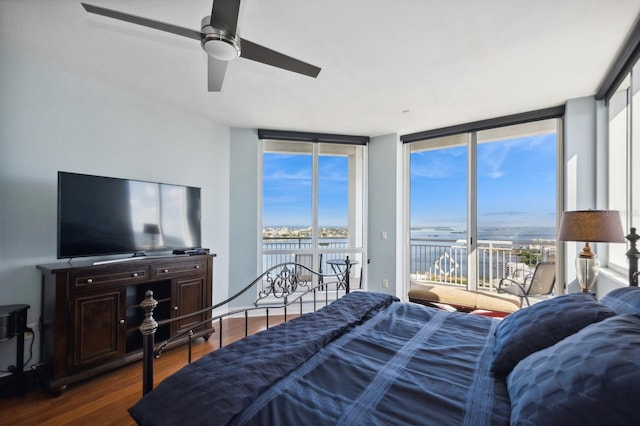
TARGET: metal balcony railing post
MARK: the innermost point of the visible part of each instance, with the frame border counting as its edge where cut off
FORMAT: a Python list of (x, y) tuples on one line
[(490, 266)]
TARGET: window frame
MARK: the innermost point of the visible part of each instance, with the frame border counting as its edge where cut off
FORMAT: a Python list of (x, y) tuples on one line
[(356, 247), (623, 118), (472, 134)]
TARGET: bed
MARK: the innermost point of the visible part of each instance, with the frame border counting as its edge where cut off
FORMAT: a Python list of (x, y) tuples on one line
[(368, 358)]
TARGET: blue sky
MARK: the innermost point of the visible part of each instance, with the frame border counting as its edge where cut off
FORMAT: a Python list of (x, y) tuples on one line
[(516, 186), (287, 190)]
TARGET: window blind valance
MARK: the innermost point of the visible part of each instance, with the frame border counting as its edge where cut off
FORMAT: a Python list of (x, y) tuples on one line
[(286, 135), (621, 67), (492, 123)]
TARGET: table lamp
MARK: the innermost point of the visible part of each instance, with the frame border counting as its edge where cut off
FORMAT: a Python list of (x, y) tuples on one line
[(153, 230), (590, 226)]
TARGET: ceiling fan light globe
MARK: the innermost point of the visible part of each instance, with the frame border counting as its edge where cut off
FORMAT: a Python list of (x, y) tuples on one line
[(223, 50), (219, 43)]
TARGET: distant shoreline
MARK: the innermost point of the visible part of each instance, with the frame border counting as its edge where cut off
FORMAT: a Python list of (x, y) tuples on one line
[(286, 232), (544, 235)]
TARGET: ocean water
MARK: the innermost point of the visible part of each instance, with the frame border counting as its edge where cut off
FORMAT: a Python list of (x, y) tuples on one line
[(520, 236), (442, 248)]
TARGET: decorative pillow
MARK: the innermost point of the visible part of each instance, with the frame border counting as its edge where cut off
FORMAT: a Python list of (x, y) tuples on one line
[(542, 325), (589, 378), (625, 300)]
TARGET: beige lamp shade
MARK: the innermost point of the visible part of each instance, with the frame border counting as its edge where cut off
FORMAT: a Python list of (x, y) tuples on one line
[(594, 226)]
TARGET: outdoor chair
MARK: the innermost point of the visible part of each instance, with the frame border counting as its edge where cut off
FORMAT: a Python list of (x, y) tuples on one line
[(307, 260), (540, 283), (517, 271)]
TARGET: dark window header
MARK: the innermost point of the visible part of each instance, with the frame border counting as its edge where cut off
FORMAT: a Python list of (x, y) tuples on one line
[(285, 135), (622, 64), (492, 123)]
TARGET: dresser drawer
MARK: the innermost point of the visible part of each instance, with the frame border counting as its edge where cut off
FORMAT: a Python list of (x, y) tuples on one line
[(109, 277), (196, 265)]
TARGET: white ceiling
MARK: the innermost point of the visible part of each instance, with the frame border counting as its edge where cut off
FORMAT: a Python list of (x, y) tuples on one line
[(445, 62)]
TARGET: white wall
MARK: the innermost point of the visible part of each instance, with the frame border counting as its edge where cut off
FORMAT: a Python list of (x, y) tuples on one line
[(245, 205), (580, 154), (384, 189), (579, 171), (52, 120)]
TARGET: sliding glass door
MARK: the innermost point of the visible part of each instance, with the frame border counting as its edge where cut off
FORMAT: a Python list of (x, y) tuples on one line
[(516, 196), (438, 194), (483, 205), (313, 204)]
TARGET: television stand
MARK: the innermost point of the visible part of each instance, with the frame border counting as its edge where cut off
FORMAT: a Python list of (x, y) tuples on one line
[(91, 313)]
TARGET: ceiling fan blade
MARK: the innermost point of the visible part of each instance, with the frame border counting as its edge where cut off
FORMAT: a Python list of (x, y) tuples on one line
[(174, 29), (215, 73), (255, 52), (224, 15)]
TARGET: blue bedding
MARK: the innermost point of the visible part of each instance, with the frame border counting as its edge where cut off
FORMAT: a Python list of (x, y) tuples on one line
[(364, 359)]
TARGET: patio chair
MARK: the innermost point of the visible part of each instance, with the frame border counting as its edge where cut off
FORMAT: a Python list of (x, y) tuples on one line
[(540, 283), (307, 260), (517, 271)]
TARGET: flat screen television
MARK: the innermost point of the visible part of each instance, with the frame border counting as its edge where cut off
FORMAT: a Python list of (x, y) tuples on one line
[(100, 215)]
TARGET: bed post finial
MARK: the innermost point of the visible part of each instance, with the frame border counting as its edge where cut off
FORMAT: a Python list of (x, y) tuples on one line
[(632, 254), (148, 329)]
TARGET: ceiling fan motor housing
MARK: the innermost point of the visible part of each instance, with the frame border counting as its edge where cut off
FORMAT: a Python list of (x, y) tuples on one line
[(218, 43)]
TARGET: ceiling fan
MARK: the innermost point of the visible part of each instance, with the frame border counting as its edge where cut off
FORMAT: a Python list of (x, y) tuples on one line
[(219, 38)]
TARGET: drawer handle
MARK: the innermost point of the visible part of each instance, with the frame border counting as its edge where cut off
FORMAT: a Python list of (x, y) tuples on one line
[(165, 270), (175, 308), (89, 281), (197, 266), (134, 275), (122, 321)]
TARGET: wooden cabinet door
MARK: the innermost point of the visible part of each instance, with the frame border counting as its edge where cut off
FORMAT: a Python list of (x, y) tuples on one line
[(187, 296), (97, 321)]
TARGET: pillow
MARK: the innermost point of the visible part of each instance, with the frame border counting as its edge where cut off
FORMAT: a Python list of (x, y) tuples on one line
[(542, 325), (625, 300), (590, 378)]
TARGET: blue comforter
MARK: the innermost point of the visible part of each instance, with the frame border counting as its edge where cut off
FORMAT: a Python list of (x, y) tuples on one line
[(361, 360)]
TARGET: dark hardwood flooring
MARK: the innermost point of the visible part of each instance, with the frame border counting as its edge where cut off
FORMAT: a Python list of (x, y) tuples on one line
[(104, 400)]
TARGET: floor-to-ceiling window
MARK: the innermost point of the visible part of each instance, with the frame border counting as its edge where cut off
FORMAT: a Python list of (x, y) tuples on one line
[(483, 204), (623, 181), (438, 209), (313, 204)]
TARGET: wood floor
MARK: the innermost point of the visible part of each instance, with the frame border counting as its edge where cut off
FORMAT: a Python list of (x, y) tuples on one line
[(104, 400)]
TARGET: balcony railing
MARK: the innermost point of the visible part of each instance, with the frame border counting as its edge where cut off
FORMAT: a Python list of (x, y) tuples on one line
[(445, 261), (432, 261), (299, 250), (281, 250)]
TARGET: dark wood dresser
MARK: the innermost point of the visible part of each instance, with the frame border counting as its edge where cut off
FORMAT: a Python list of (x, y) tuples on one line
[(91, 313)]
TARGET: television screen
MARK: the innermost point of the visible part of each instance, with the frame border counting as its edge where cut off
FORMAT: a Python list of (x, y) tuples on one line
[(102, 215)]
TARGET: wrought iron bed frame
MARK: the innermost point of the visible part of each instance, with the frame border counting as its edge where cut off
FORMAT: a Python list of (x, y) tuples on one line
[(284, 286), (283, 283)]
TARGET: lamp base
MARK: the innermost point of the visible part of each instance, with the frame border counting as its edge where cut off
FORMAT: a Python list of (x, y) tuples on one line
[(587, 269)]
